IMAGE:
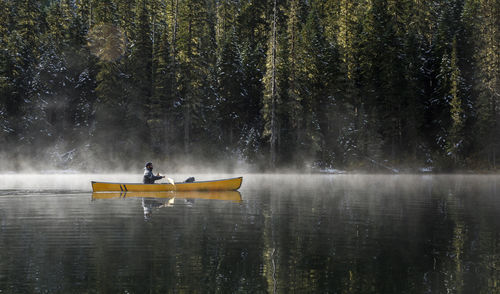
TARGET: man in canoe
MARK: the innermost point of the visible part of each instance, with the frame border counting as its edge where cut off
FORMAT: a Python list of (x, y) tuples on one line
[(149, 177)]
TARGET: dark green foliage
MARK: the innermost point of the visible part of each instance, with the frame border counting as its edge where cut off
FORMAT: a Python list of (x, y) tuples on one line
[(160, 109), (230, 94), (311, 83)]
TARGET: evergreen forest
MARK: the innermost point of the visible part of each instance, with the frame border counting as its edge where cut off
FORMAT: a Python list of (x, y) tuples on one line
[(316, 84)]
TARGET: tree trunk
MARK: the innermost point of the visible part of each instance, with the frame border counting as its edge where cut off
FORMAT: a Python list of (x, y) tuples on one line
[(174, 40), (173, 76), (189, 97), (273, 93), (187, 125)]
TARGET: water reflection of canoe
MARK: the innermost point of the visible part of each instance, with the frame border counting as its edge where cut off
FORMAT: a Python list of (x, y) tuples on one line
[(217, 185), (217, 195)]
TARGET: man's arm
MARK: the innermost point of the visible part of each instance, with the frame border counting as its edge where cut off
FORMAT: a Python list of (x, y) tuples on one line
[(158, 177)]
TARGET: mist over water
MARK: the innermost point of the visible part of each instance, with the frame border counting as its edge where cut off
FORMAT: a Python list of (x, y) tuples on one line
[(302, 233), (81, 182)]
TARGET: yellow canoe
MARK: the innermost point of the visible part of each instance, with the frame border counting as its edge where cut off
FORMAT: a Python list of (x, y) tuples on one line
[(234, 196), (217, 185)]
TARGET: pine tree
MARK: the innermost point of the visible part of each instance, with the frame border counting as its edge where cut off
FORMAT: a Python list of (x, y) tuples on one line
[(194, 50), (344, 23), (128, 16), (332, 99), (161, 106), (83, 71), (26, 51), (295, 95), (487, 83), (252, 29), (231, 97), (65, 87), (384, 80), (85, 10), (314, 101), (141, 71), (451, 119), (271, 96), (8, 94), (113, 108), (455, 140), (53, 77)]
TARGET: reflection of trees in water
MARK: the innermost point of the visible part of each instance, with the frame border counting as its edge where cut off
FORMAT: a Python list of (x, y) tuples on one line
[(270, 254), (382, 242), (466, 250), (195, 252), (394, 238)]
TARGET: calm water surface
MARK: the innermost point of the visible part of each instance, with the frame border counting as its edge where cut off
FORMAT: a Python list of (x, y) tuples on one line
[(281, 233)]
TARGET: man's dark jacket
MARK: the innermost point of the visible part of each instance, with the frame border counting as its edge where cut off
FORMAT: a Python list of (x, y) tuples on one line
[(149, 177)]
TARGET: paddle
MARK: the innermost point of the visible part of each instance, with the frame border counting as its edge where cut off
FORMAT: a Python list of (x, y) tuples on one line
[(171, 201), (171, 181)]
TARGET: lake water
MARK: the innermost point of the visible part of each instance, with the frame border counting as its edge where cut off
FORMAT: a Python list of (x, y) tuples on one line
[(280, 234)]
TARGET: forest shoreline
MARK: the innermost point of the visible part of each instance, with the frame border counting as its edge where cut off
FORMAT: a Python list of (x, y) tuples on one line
[(253, 170), (275, 83)]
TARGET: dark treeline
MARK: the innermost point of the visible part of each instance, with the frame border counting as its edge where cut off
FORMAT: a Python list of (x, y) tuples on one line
[(288, 83)]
